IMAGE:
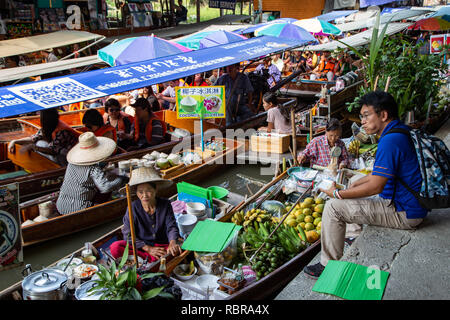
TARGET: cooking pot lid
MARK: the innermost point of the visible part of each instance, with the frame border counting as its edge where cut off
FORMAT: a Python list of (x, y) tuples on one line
[(81, 293), (44, 281)]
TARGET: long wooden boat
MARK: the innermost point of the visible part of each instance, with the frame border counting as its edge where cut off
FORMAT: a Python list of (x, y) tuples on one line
[(98, 214), (265, 288)]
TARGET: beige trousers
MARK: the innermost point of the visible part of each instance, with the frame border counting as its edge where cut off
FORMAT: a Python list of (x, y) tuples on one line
[(374, 211)]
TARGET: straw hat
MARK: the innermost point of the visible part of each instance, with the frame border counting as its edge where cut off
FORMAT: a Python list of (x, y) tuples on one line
[(90, 149), (49, 50), (146, 175)]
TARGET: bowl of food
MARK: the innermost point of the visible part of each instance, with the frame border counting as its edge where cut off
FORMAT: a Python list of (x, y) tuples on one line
[(188, 104), (212, 103), (185, 271), (195, 208), (84, 271), (207, 282), (63, 263)]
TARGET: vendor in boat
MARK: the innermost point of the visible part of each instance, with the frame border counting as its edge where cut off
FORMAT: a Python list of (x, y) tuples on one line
[(85, 183), (147, 129), (155, 226), (318, 151), (278, 119), (93, 121), (120, 121), (53, 140)]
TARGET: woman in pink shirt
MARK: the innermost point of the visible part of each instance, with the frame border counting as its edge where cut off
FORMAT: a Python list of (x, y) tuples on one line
[(278, 120)]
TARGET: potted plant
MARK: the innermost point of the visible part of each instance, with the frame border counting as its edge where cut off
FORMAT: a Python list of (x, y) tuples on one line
[(116, 284)]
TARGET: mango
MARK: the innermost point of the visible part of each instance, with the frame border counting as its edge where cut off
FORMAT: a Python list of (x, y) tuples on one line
[(319, 208)]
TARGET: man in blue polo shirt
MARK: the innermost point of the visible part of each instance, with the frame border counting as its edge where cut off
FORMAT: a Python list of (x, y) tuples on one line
[(395, 157)]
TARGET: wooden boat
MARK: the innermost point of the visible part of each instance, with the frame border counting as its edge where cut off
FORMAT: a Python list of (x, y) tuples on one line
[(265, 288), (109, 210)]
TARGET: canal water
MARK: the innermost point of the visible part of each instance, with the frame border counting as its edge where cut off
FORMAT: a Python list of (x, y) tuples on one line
[(236, 178)]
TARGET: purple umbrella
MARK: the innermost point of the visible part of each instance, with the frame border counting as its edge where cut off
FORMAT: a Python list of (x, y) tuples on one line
[(220, 37), (137, 49)]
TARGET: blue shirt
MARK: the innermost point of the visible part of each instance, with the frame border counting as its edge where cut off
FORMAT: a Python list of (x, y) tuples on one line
[(396, 157)]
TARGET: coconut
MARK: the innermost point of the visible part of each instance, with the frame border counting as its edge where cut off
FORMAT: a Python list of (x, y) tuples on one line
[(163, 163), (163, 155), (174, 159), (155, 154), (149, 156)]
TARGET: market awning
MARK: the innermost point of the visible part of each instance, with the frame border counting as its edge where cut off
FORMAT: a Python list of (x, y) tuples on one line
[(357, 40), (55, 92), (333, 15), (370, 22), (18, 73), (56, 39)]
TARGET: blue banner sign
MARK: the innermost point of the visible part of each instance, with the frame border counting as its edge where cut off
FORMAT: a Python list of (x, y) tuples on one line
[(55, 92), (222, 4)]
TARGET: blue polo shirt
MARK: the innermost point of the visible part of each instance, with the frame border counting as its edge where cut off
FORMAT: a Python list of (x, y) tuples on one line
[(396, 157)]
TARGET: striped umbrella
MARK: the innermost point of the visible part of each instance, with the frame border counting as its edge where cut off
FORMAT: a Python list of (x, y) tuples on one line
[(318, 27), (137, 49), (286, 30), (208, 39)]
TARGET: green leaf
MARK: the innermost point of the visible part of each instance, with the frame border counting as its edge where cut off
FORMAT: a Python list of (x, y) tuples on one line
[(124, 257), (135, 294), (122, 278), (151, 275), (152, 293)]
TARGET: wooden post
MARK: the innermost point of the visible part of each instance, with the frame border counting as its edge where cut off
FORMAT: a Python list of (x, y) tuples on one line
[(242, 6), (260, 5), (250, 7), (198, 11), (294, 140), (387, 84), (172, 12), (310, 124), (130, 216)]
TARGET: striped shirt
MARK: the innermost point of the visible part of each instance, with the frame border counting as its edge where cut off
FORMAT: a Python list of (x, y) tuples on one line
[(81, 184), (318, 151), (157, 134)]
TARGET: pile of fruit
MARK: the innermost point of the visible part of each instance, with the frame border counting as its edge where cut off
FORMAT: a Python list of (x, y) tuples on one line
[(284, 244), (250, 217), (353, 148), (306, 217)]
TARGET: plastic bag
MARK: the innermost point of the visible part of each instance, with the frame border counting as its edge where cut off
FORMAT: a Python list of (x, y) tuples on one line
[(275, 208), (213, 262)]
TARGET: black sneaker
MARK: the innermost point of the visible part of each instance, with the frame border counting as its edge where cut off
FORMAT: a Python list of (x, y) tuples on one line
[(314, 271)]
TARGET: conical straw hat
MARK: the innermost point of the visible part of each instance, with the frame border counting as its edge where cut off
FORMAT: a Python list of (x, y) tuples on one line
[(146, 175), (90, 149)]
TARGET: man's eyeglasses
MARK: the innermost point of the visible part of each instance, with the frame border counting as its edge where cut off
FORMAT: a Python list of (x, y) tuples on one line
[(365, 115)]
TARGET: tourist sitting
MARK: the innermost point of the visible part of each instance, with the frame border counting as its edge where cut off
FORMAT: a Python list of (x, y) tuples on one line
[(346, 66), (198, 81), (147, 129), (278, 119), (213, 78), (93, 121), (324, 70), (155, 226), (53, 140), (181, 12), (84, 179), (318, 150), (120, 121), (394, 207), (278, 62), (167, 97)]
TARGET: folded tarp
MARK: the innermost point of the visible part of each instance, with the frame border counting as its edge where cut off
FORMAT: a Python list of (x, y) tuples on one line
[(366, 3), (55, 92), (12, 74), (56, 39)]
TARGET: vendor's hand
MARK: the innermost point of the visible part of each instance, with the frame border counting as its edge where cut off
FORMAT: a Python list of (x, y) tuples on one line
[(174, 249), (11, 146), (342, 165), (156, 252), (301, 158), (330, 191)]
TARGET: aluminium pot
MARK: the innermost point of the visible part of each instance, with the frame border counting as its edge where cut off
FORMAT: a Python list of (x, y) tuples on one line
[(46, 284)]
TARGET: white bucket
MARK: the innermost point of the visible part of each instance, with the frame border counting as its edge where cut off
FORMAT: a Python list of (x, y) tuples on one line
[(186, 223), (46, 209)]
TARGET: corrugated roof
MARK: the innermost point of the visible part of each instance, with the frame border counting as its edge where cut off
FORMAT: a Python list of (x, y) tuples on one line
[(17, 73), (357, 40), (56, 39)]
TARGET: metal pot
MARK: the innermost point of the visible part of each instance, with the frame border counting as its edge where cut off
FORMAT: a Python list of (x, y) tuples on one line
[(46, 284)]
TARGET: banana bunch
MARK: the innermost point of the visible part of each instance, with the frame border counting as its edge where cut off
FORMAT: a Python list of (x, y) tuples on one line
[(353, 148), (244, 219)]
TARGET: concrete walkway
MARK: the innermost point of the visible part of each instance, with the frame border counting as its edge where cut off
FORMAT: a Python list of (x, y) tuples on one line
[(417, 261)]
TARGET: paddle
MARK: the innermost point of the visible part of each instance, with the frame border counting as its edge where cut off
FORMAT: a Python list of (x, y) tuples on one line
[(130, 216)]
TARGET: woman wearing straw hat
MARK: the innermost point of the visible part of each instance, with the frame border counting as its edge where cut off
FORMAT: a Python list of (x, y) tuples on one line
[(84, 177), (155, 226)]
